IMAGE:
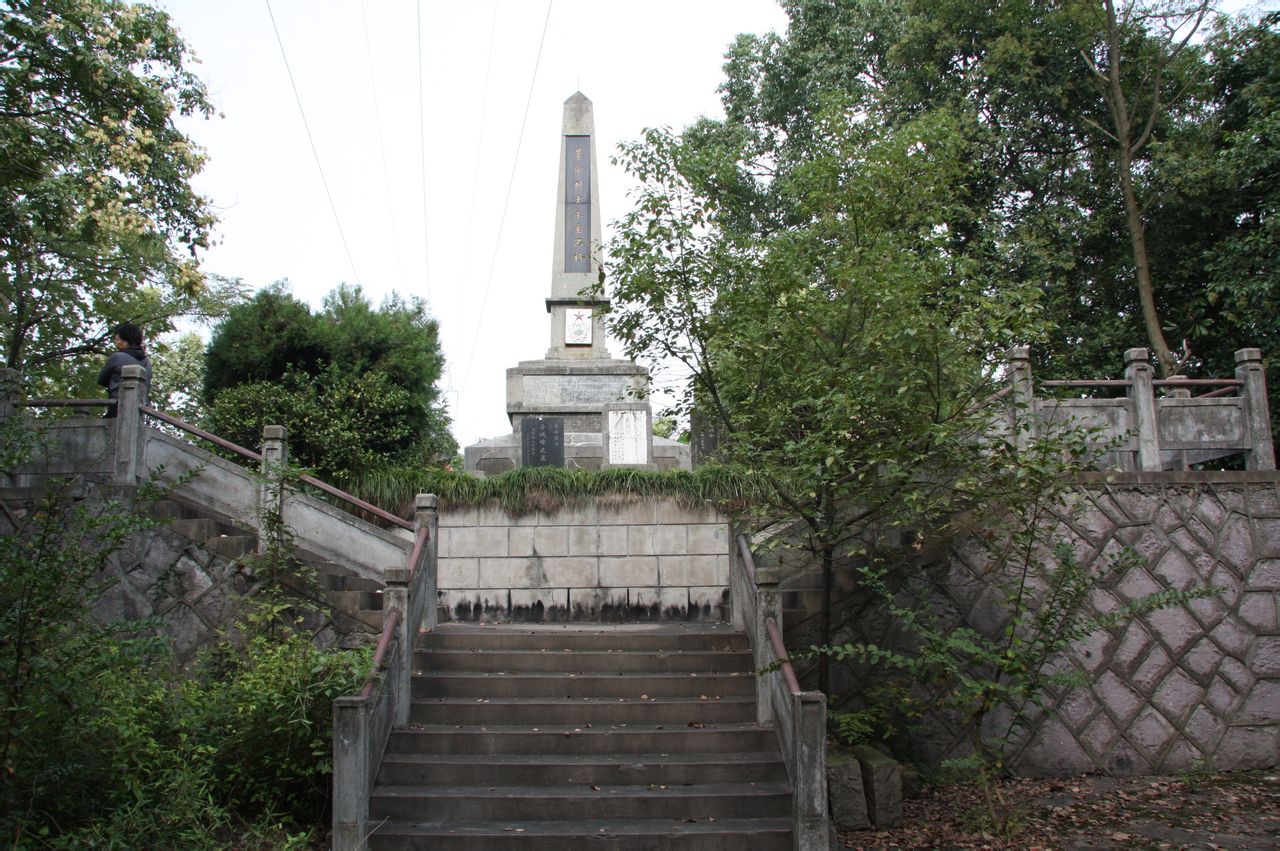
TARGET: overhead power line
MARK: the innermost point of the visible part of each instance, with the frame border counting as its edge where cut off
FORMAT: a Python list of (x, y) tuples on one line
[(315, 153), (493, 262)]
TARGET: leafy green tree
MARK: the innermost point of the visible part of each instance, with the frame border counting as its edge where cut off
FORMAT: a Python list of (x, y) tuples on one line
[(1045, 201), (847, 355), (355, 385), (98, 219)]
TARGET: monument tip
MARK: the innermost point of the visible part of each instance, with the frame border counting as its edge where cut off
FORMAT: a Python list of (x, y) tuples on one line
[(578, 97)]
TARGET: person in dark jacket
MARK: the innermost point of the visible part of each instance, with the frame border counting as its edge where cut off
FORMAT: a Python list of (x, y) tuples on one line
[(129, 352)]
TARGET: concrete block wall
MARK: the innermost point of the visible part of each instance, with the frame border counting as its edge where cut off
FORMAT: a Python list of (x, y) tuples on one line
[(650, 560)]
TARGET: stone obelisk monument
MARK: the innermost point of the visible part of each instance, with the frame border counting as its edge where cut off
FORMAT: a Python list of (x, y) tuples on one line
[(577, 407)]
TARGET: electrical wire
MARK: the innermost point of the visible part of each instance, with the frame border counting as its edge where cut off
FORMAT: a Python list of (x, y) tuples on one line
[(484, 110), (314, 152), (422, 142), (506, 203), (382, 144)]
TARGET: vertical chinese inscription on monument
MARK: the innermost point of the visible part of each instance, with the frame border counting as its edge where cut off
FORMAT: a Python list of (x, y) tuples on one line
[(542, 442), (577, 203), (628, 443)]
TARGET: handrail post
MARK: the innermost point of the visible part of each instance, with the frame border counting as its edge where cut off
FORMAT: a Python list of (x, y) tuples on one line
[(1261, 454), (395, 598), (275, 455), (1137, 369), (350, 772), (1022, 395), (426, 515), (768, 605), (809, 803), (128, 422)]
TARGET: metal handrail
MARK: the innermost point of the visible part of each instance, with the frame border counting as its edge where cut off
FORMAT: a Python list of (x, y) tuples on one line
[(201, 433), (254, 456), (419, 543), (356, 501), (748, 562), (780, 650), (379, 655), (66, 403)]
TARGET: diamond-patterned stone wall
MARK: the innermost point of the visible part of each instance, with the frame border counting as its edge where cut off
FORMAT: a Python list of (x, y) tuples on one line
[(1182, 686)]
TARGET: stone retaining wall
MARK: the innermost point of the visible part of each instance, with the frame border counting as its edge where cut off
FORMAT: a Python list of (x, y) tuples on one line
[(646, 560), (1182, 686)]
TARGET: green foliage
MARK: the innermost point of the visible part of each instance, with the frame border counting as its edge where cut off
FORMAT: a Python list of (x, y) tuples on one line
[(98, 219), (354, 386), (847, 355), (527, 489), (268, 717), (102, 747), (177, 375)]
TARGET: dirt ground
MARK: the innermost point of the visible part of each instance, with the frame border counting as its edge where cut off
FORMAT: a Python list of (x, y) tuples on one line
[(1197, 810)]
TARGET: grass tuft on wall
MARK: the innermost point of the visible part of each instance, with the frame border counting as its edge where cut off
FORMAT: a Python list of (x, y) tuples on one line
[(529, 489)]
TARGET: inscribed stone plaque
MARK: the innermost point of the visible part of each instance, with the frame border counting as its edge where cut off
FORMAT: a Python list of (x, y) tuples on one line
[(628, 442), (577, 203), (542, 442), (706, 433), (574, 389)]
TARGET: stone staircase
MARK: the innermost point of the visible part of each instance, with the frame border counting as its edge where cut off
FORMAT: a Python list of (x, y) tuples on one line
[(355, 603), (619, 736)]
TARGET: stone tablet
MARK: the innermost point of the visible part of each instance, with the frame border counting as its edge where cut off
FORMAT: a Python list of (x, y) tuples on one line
[(542, 442), (628, 442), (706, 433)]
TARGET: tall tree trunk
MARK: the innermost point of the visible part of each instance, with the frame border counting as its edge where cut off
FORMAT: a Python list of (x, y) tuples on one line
[(1142, 264), (824, 622)]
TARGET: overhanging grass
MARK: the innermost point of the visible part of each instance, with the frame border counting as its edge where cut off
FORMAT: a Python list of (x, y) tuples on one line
[(528, 489)]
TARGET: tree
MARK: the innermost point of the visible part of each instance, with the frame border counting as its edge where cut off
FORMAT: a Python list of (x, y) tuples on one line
[(355, 386), (1142, 41), (98, 219), (1044, 202), (846, 355)]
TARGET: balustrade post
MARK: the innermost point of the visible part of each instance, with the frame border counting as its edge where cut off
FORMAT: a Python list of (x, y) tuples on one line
[(1249, 369), (426, 515), (1137, 369), (395, 598), (275, 457), (1022, 395), (128, 426), (809, 801), (768, 605), (350, 772)]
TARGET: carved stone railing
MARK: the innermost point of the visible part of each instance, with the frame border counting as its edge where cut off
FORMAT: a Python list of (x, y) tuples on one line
[(799, 717), (125, 450), (362, 723), (1157, 424)]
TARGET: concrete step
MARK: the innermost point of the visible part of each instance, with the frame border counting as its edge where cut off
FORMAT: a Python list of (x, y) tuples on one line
[(232, 546), (637, 736), (582, 661), (585, 710), (350, 601), (554, 803), (573, 637), (773, 834), (595, 684), (580, 739), (581, 769)]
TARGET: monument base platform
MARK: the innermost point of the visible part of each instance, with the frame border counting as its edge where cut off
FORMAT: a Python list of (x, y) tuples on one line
[(582, 451)]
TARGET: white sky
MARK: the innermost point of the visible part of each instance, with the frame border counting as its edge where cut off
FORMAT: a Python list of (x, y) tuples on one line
[(356, 67)]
